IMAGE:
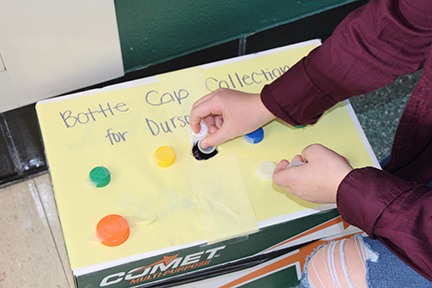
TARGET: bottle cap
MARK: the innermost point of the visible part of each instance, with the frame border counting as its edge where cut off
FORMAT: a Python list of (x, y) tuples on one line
[(100, 176), (265, 169), (113, 230), (255, 137), (208, 150), (165, 156), (201, 134), (295, 163)]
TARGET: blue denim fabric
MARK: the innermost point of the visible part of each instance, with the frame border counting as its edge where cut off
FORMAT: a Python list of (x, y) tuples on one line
[(386, 271), (390, 271), (304, 282), (384, 161)]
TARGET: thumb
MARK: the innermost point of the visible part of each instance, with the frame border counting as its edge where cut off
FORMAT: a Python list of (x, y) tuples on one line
[(282, 165), (279, 173), (196, 127), (283, 173)]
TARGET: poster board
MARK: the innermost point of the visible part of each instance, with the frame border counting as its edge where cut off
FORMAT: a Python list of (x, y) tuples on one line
[(121, 126)]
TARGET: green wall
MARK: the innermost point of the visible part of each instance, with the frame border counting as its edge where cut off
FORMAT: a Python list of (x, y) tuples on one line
[(155, 31)]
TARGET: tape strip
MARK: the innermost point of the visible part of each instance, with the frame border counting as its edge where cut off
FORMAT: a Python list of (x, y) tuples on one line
[(179, 90), (222, 198)]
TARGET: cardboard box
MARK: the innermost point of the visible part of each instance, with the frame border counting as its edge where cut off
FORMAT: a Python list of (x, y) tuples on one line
[(279, 270), (193, 219), (230, 261)]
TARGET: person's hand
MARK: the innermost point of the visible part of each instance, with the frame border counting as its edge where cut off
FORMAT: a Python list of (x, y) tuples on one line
[(318, 179), (228, 114)]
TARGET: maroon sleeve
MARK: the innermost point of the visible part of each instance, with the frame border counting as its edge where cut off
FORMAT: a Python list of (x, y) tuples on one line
[(372, 47), (393, 210)]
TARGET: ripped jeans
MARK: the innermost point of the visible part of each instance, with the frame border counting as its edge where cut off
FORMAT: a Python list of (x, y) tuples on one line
[(358, 262)]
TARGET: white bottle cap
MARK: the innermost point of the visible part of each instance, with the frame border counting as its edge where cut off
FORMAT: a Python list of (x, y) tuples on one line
[(265, 169), (201, 134), (295, 163), (208, 150)]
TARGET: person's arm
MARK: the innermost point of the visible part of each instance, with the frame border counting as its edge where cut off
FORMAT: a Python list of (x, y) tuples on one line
[(388, 208), (317, 179), (393, 210), (372, 47), (228, 114)]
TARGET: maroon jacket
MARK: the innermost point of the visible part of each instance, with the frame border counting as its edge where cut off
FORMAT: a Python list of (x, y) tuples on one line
[(372, 47)]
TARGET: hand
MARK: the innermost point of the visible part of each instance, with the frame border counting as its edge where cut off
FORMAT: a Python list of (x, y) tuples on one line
[(228, 114), (318, 179)]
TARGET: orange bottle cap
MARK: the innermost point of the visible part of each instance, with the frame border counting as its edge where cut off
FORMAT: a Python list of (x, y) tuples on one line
[(113, 230), (165, 156)]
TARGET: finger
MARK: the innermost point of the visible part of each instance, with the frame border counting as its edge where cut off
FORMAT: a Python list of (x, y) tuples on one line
[(319, 152), (297, 161), (213, 123), (219, 121), (282, 165), (194, 122), (279, 173), (314, 151), (203, 110), (298, 158), (216, 139)]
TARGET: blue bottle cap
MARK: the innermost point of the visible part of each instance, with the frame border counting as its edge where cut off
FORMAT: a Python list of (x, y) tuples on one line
[(255, 137)]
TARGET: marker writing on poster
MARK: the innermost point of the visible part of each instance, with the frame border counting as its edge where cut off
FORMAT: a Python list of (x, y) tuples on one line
[(116, 137), (167, 126), (70, 119), (155, 127), (154, 98), (234, 80)]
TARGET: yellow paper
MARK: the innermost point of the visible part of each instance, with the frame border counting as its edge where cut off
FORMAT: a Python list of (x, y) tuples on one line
[(179, 87), (222, 198), (122, 129), (123, 140), (251, 75)]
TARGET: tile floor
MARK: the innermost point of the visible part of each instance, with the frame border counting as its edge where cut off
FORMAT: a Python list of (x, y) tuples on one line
[(32, 251)]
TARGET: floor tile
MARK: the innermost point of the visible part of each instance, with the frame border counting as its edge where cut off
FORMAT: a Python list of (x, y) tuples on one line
[(46, 193), (28, 254)]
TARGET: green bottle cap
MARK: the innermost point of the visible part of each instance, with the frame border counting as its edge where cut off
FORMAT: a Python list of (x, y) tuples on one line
[(100, 176)]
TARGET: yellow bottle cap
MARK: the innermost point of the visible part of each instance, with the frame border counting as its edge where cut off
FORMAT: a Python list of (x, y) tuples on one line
[(165, 156)]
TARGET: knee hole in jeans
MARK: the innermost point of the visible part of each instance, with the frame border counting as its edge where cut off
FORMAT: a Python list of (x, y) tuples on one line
[(339, 264)]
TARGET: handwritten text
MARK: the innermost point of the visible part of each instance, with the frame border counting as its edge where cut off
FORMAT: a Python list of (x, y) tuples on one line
[(71, 119), (235, 81)]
